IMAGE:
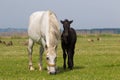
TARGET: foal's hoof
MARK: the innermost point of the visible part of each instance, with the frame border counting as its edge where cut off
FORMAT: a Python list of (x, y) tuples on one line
[(64, 67), (70, 68)]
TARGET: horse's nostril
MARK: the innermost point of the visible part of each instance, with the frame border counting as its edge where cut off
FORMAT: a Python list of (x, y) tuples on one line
[(52, 73)]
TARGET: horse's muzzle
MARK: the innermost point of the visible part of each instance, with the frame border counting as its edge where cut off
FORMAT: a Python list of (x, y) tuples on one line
[(52, 73)]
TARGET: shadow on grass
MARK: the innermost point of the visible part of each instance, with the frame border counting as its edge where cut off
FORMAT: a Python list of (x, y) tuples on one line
[(112, 65), (61, 70)]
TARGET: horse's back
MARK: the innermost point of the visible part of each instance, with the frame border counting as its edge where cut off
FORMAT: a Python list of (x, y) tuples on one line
[(40, 25), (34, 29)]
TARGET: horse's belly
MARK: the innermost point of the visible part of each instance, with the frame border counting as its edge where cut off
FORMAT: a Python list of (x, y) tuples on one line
[(35, 38)]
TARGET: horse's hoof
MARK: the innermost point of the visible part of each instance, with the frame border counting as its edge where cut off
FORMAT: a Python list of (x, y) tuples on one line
[(32, 69), (64, 68), (40, 69), (52, 73)]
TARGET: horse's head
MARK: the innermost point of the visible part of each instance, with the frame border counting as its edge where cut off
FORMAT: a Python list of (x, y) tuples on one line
[(51, 58), (66, 25)]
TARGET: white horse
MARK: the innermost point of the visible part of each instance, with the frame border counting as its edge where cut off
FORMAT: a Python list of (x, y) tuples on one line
[(44, 29)]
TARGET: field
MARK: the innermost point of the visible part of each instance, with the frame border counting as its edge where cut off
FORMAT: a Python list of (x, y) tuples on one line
[(98, 60)]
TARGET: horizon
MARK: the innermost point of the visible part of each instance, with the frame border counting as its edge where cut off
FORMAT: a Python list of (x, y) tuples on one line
[(60, 28), (86, 14)]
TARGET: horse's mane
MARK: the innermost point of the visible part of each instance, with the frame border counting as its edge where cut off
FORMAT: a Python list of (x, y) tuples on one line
[(54, 29)]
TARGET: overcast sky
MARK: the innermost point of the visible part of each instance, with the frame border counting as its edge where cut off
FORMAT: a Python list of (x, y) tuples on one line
[(86, 14)]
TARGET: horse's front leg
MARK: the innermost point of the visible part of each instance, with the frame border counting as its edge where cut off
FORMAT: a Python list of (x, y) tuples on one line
[(40, 62), (30, 49)]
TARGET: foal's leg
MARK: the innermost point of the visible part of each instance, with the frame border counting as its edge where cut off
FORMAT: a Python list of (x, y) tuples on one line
[(30, 49), (41, 53), (73, 52), (70, 59), (64, 57)]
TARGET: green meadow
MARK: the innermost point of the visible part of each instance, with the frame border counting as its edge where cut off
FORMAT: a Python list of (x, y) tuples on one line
[(97, 60)]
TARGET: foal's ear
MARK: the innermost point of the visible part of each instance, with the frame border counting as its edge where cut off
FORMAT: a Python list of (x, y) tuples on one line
[(71, 21), (61, 21)]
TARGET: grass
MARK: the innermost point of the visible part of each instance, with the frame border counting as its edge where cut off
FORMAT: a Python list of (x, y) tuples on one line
[(98, 60)]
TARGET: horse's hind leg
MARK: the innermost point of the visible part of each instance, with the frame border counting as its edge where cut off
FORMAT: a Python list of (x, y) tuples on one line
[(30, 46)]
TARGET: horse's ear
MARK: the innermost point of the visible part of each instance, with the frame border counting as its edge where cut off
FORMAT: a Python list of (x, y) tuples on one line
[(61, 21), (71, 21)]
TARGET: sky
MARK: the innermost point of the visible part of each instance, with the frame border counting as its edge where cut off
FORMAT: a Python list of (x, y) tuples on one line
[(86, 14)]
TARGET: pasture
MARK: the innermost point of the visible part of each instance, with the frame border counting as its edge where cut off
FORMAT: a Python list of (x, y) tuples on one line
[(98, 60)]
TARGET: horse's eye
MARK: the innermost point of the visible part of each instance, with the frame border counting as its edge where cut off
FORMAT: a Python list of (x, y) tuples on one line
[(55, 59), (47, 58)]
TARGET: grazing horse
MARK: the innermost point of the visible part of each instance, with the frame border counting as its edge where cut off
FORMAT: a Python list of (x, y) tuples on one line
[(4, 42), (10, 43), (68, 43), (44, 29)]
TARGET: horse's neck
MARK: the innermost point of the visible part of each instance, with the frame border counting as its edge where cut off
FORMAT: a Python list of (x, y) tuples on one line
[(51, 38), (53, 30), (65, 32)]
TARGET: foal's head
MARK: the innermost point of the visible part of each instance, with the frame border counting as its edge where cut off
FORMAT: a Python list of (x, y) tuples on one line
[(66, 25), (51, 59)]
